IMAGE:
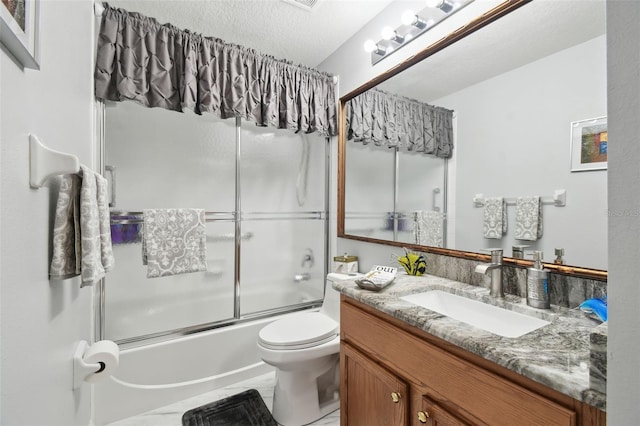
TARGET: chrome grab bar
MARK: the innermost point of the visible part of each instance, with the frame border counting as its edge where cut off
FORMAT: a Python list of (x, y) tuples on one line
[(434, 194), (112, 172)]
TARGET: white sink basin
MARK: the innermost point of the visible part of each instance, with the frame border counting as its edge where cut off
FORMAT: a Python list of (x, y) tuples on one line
[(487, 317)]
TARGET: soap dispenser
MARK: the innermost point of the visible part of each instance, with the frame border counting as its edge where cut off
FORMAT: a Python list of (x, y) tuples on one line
[(537, 283)]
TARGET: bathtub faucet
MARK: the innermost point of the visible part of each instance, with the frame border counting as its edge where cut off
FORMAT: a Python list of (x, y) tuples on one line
[(301, 277)]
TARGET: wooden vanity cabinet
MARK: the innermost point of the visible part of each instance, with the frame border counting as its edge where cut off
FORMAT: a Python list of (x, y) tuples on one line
[(393, 374), (432, 414), (376, 396)]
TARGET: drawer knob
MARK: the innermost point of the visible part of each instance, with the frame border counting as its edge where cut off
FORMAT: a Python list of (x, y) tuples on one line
[(395, 397), (423, 416)]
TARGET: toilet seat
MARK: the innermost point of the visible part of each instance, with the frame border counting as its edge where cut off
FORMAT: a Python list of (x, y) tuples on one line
[(302, 331)]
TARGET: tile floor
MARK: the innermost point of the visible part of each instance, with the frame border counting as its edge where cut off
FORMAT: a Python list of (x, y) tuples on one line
[(171, 415)]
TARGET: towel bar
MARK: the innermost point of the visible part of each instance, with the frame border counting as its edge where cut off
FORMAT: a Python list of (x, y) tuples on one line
[(125, 217), (559, 199)]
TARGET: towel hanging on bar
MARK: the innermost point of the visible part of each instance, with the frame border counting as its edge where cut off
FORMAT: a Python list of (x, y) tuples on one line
[(428, 228), (81, 232), (495, 217), (174, 242), (528, 218)]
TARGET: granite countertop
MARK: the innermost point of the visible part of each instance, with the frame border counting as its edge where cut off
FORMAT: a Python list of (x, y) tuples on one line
[(556, 355)]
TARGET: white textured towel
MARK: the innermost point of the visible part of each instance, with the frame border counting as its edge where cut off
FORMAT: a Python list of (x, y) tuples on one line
[(81, 232), (528, 218), (428, 228), (174, 242), (495, 217)]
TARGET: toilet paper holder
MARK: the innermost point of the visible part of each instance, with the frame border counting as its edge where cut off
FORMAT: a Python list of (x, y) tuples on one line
[(84, 371)]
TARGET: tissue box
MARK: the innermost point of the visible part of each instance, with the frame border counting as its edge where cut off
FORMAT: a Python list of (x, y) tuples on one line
[(345, 264)]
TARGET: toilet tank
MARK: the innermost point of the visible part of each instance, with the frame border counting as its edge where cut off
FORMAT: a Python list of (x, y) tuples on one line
[(331, 303)]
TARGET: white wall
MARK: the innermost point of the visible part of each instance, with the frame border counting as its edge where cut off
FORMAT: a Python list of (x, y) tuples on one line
[(513, 140), (623, 58), (42, 320)]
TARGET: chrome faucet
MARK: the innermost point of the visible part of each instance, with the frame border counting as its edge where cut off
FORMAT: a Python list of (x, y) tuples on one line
[(305, 276), (496, 272)]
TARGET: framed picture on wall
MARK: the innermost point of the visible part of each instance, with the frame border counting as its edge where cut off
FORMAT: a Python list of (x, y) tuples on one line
[(19, 31), (589, 143)]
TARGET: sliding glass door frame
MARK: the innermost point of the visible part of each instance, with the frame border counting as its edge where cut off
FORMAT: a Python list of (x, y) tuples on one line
[(237, 217)]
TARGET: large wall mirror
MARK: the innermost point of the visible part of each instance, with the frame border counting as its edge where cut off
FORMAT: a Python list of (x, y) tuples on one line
[(525, 83)]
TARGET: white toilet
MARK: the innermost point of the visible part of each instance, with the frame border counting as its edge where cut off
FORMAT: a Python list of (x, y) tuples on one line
[(305, 348)]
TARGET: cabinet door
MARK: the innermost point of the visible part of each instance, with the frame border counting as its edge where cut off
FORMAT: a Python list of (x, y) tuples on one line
[(432, 414), (371, 395)]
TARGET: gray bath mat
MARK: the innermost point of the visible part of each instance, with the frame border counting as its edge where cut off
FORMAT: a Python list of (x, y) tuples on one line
[(244, 409)]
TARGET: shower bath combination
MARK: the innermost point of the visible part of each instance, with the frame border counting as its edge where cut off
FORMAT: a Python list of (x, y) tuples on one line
[(266, 237)]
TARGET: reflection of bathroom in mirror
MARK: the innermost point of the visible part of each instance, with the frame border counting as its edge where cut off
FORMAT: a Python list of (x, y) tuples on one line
[(399, 182), (515, 87)]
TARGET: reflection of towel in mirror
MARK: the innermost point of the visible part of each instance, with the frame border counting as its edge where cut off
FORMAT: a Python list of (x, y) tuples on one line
[(428, 228), (81, 233), (495, 217), (528, 218), (174, 242)]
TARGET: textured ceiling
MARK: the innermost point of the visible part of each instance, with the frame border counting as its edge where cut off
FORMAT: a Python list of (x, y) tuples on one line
[(272, 27)]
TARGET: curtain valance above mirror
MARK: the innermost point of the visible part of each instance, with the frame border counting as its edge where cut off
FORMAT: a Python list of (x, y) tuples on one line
[(159, 65), (393, 121)]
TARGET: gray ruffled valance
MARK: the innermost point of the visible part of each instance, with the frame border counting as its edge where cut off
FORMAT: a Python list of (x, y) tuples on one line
[(395, 121), (159, 65)]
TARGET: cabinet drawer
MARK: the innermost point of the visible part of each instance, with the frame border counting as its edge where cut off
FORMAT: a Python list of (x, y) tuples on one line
[(483, 395), (431, 414)]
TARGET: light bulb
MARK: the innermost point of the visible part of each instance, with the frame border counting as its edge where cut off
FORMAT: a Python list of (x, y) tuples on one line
[(434, 3), (388, 33), (370, 46), (409, 17)]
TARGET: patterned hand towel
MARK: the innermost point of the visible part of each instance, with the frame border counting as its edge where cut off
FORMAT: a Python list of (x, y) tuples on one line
[(81, 232), (174, 242), (528, 218), (428, 228), (495, 217)]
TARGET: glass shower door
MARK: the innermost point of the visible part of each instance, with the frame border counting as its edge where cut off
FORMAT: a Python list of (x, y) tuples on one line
[(265, 194), (162, 159), (283, 198)]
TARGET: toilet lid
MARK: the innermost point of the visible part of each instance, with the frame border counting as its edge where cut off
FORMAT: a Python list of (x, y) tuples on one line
[(298, 331)]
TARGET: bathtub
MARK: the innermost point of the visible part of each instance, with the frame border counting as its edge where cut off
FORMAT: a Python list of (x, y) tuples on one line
[(206, 361)]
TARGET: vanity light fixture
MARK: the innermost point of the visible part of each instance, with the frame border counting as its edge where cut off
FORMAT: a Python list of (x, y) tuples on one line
[(413, 25), (389, 33), (443, 5), (372, 47), (409, 17)]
